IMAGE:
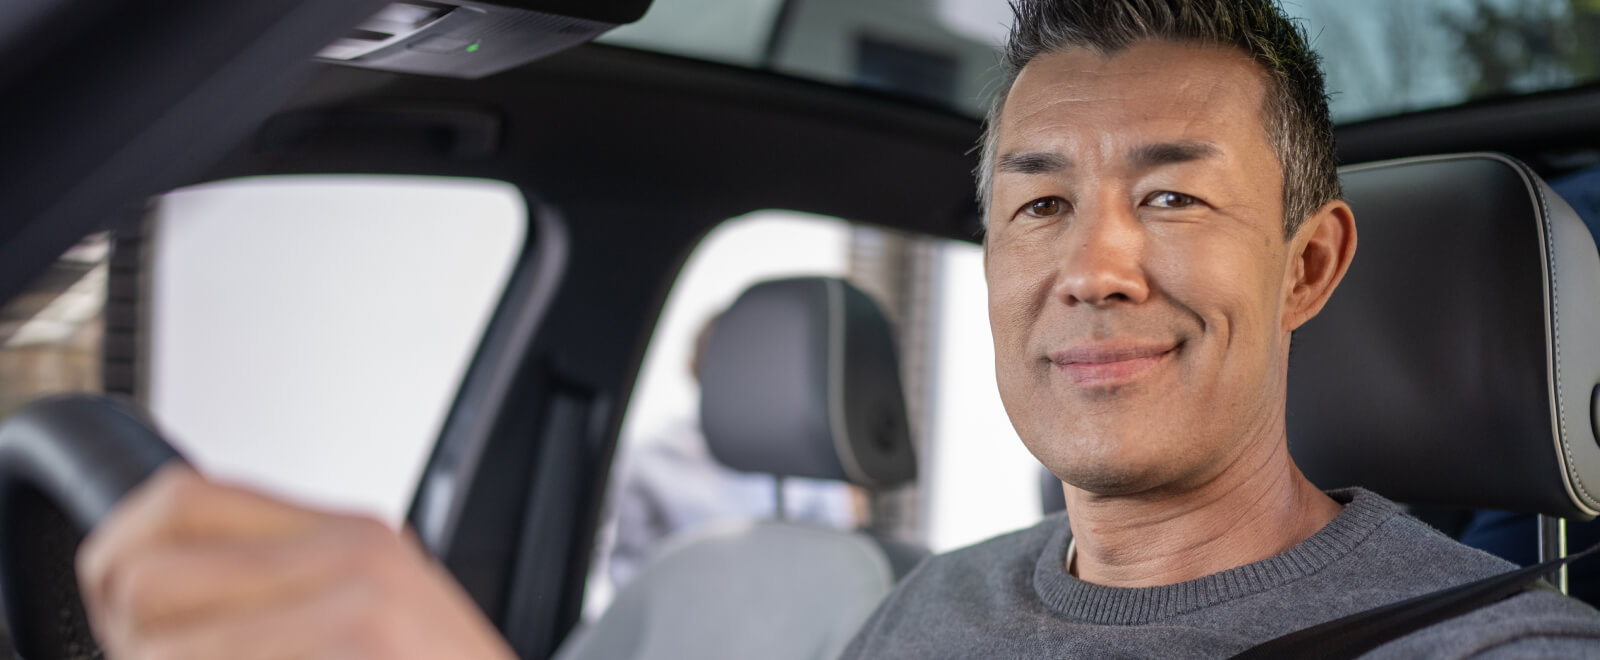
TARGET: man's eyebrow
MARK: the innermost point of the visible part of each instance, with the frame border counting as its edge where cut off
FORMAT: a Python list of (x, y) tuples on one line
[(1151, 156), (1032, 162)]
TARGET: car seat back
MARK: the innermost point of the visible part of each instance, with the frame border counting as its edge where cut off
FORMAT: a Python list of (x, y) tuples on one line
[(743, 590)]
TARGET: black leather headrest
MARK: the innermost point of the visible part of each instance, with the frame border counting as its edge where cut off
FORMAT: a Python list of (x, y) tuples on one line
[(1457, 363), (800, 378)]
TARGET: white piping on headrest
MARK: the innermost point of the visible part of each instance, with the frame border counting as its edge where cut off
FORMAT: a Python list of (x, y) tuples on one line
[(842, 446)]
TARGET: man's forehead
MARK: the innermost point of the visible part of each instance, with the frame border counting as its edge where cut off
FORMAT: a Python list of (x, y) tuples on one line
[(1149, 85), (1146, 56), (1140, 156)]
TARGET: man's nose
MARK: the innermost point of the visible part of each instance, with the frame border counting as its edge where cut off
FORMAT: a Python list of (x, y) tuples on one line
[(1103, 260)]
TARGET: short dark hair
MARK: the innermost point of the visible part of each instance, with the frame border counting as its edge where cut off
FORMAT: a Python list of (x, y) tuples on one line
[(1295, 112)]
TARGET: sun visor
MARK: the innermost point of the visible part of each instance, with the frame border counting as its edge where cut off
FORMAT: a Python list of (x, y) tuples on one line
[(462, 39)]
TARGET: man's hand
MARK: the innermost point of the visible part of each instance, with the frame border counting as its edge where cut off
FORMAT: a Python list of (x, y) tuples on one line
[(185, 568)]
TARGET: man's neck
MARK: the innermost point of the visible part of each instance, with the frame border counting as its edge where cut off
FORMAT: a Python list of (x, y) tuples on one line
[(1255, 509)]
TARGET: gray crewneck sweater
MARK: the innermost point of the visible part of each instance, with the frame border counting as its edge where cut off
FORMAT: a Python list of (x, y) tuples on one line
[(1011, 597)]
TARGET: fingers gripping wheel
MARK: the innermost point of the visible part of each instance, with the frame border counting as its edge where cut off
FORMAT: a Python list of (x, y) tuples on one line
[(64, 464)]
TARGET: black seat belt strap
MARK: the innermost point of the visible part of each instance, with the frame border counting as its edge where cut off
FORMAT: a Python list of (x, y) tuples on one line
[(1353, 635)]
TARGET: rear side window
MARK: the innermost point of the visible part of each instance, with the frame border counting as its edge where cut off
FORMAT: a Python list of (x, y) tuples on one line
[(307, 334), (979, 480), (665, 485), (976, 478)]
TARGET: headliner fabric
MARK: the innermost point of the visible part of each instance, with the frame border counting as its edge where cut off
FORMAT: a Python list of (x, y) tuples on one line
[(1457, 362)]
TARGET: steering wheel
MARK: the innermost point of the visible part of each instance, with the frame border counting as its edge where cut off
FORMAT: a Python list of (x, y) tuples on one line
[(65, 462)]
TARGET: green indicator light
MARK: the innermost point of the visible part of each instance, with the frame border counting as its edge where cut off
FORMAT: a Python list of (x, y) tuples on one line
[(473, 48)]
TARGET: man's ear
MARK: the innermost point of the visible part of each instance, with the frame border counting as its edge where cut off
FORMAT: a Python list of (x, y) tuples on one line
[(1320, 253)]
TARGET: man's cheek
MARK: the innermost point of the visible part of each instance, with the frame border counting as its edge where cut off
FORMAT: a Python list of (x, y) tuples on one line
[(1010, 320)]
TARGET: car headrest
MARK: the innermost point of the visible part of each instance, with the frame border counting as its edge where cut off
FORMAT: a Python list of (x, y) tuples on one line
[(800, 378), (1051, 497), (1457, 363)]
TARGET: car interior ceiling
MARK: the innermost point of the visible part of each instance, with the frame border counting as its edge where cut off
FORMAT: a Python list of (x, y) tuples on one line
[(641, 154)]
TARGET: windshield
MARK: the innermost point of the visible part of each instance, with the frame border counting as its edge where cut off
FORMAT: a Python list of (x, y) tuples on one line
[(1382, 57)]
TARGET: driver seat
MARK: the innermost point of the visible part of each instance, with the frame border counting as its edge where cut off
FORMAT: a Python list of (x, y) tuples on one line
[(1458, 365), (800, 380)]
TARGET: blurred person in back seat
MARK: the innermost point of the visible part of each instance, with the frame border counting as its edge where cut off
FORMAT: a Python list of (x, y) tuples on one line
[(670, 484)]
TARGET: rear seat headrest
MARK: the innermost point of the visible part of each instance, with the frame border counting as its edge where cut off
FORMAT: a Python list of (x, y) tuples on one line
[(1457, 363), (800, 378)]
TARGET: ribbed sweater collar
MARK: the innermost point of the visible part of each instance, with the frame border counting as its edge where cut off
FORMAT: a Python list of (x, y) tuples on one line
[(1363, 513)]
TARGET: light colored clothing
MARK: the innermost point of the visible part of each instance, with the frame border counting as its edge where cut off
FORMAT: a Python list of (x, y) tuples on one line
[(670, 484)]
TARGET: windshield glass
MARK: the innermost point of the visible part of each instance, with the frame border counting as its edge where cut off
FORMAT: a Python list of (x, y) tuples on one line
[(1382, 57)]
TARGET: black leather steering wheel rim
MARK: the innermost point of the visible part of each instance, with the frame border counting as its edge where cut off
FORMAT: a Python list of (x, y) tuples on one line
[(65, 462)]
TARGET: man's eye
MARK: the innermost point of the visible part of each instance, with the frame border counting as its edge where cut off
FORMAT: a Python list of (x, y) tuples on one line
[(1045, 207), (1167, 199)]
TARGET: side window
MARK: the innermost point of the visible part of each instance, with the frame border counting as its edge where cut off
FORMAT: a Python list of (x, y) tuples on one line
[(739, 253), (664, 482), (977, 480), (307, 334), (51, 335)]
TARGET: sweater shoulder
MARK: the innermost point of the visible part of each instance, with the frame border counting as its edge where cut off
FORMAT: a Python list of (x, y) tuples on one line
[(1537, 623), (1023, 545), (947, 590), (1408, 546)]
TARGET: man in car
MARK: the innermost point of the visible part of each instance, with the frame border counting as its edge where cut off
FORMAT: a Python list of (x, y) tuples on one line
[(1163, 213)]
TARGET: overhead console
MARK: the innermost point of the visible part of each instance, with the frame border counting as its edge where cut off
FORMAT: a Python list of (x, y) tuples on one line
[(466, 39)]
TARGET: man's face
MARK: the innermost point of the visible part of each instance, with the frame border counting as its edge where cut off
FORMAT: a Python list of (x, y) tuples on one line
[(1137, 266)]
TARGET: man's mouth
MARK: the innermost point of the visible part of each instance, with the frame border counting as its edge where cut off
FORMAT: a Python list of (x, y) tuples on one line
[(1111, 364)]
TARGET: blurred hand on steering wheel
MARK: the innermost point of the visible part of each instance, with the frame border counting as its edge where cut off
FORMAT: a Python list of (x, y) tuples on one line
[(188, 568)]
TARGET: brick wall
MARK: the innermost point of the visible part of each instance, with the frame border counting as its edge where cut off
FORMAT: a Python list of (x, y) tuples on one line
[(30, 371)]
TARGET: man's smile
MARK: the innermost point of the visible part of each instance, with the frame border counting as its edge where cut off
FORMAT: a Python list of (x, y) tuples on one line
[(1112, 364)]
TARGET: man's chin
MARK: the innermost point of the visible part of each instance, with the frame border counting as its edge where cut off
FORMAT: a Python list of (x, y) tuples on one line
[(1118, 479), (1112, 484)]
